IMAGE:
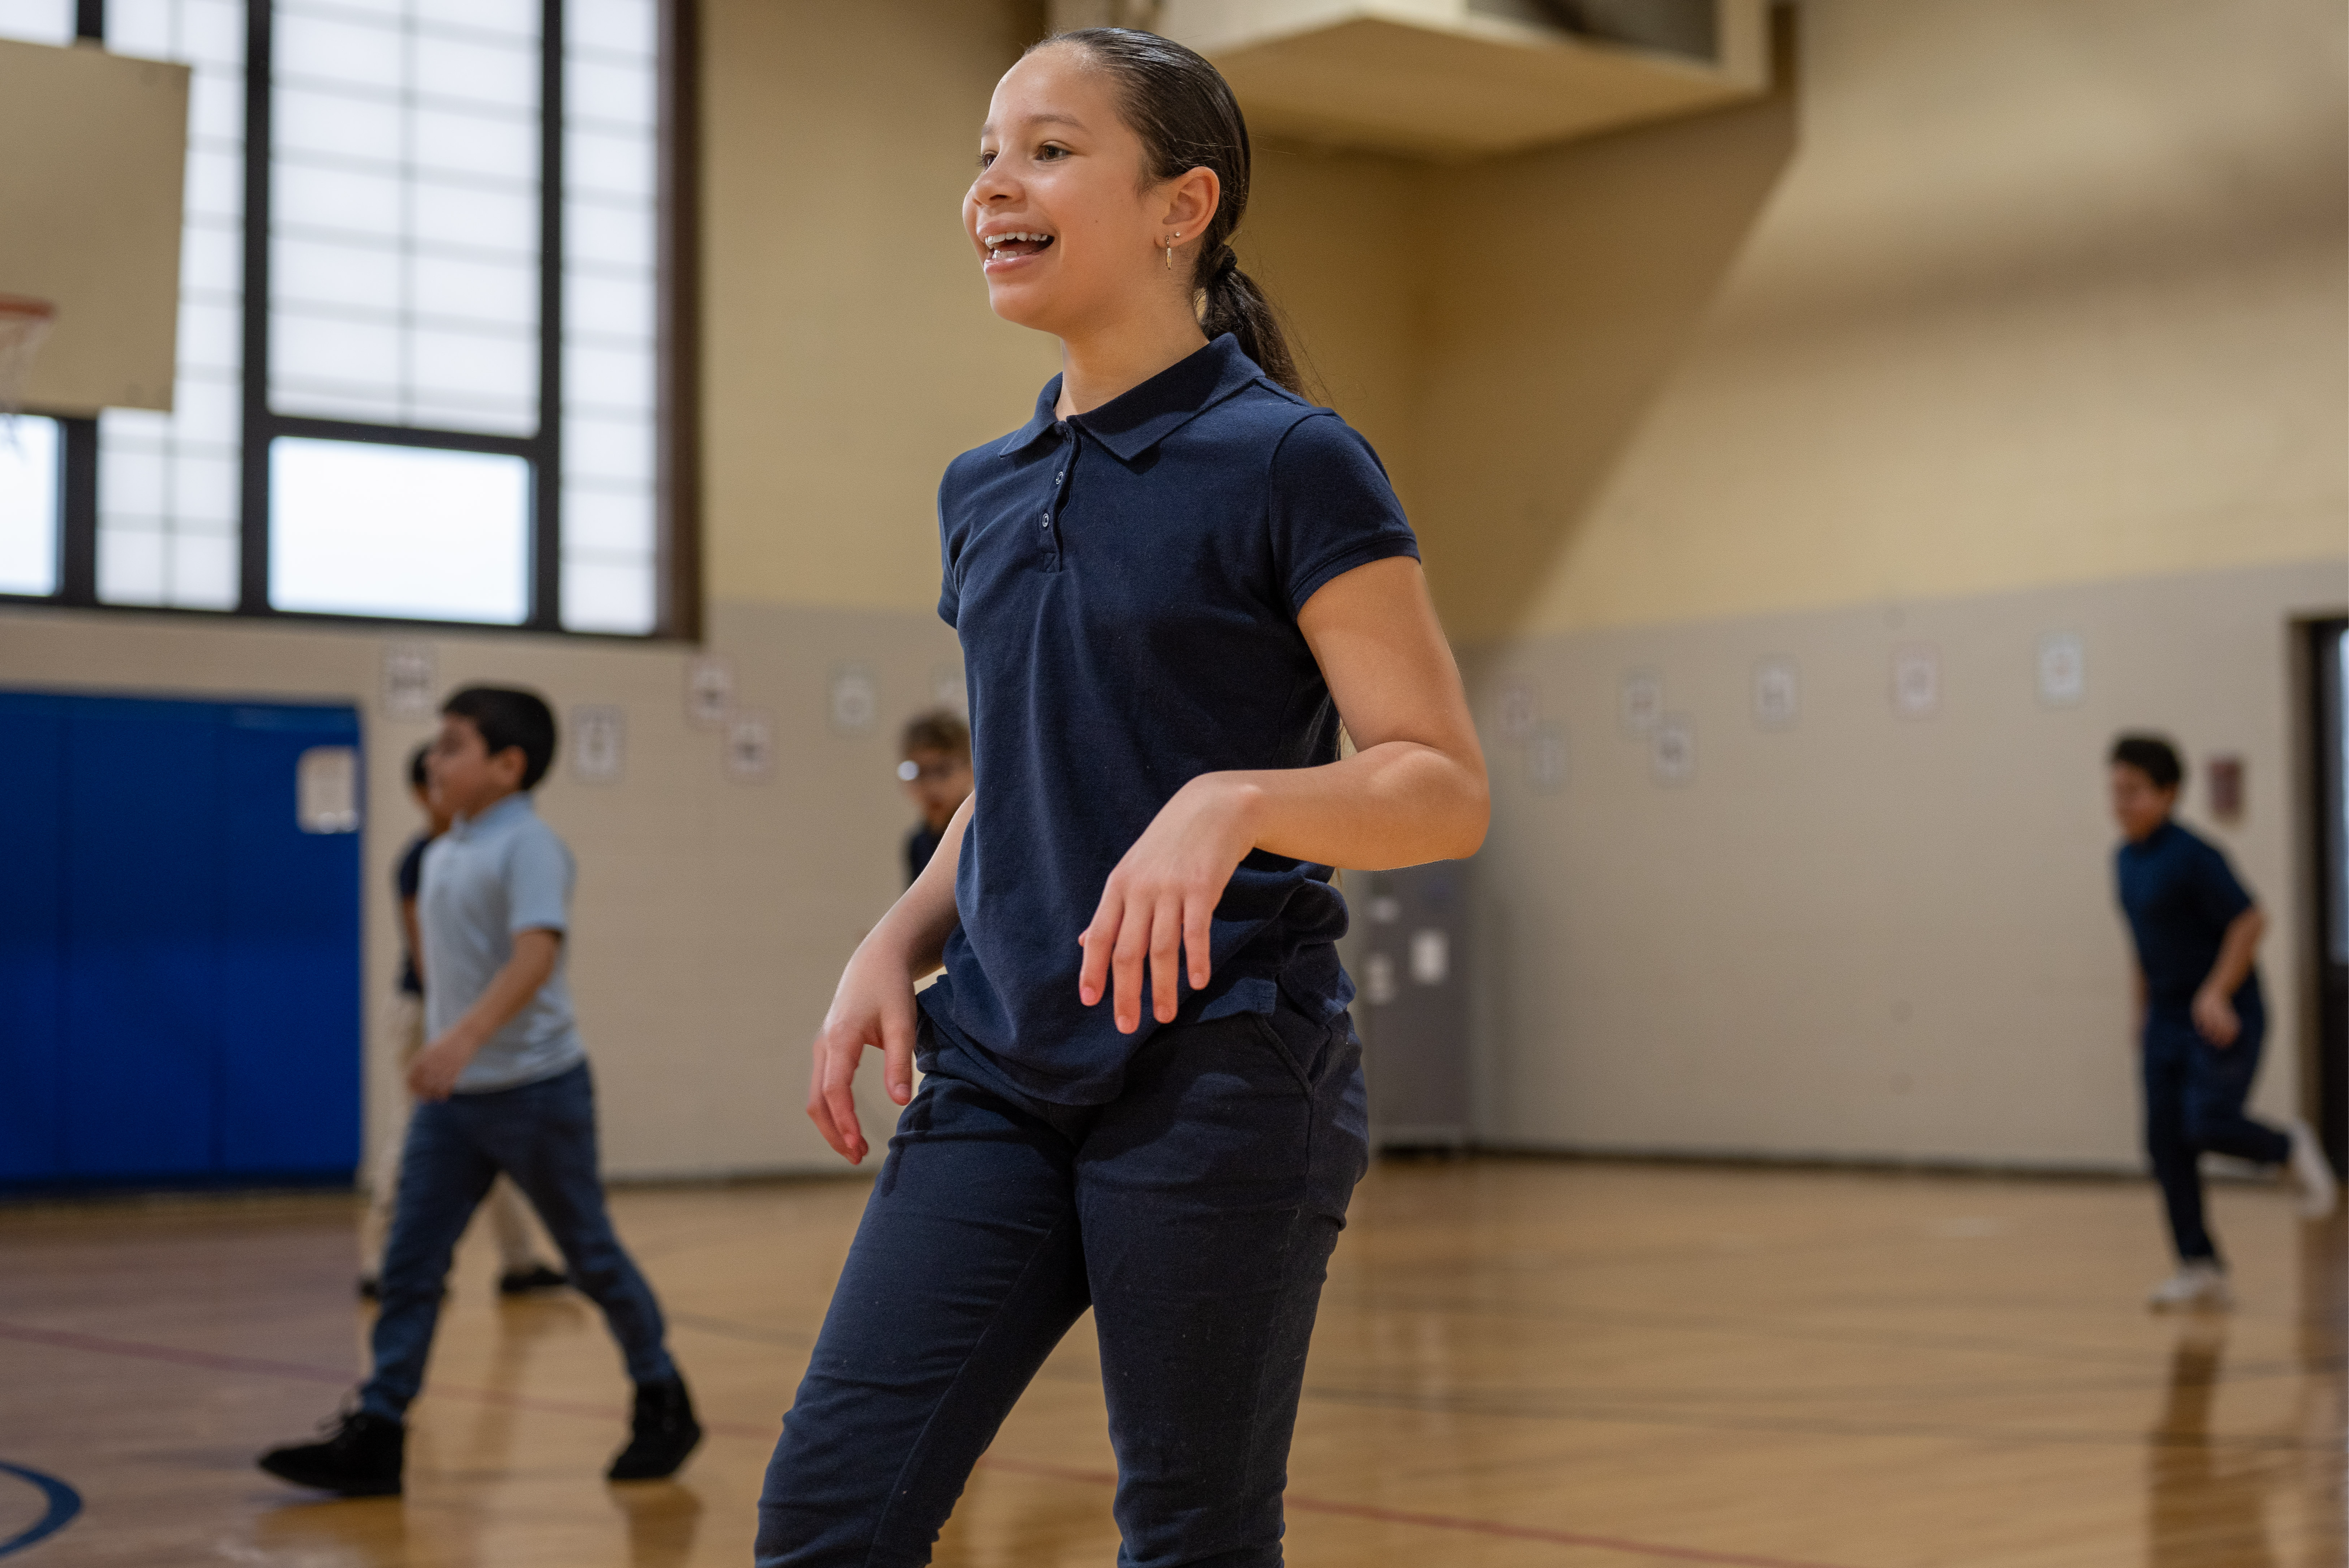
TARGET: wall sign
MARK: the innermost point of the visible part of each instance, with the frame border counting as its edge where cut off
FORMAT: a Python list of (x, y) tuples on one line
[(750, 748), (408, 682), (1518, 711), (949, 689), (327, 790), (1917, 681), (709, 691), (599, 737), (852, 697), (1777, 694), (2063, 670), (1641, 698), (1545, 759), (1430, 956), (1672, 750)]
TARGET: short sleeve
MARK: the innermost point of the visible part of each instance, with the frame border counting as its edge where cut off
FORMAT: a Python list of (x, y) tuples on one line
[(538, 884), (1332, 507), (409, 878), (2224, 896), (949, 577)]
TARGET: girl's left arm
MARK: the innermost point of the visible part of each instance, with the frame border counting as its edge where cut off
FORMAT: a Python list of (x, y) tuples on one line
[(1413, 791)]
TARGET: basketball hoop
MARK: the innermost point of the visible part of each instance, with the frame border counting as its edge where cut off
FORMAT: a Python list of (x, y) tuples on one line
[(24, 324)]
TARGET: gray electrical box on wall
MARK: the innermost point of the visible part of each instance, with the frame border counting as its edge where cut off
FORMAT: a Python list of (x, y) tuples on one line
[(1412, 1008)]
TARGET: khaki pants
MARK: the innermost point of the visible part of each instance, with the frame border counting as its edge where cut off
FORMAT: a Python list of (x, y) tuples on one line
[(509, 1215)]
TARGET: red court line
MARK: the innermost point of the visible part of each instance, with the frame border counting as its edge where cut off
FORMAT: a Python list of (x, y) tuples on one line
[(210, 1361)]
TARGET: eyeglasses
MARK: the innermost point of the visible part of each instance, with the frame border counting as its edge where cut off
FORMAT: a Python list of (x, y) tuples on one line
[(909, 770)]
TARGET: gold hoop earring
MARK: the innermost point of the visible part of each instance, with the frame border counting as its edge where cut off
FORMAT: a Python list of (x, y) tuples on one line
[(1169, 250)]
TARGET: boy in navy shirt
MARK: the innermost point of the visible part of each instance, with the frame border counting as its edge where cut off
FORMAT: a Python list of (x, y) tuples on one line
[(936, 775), (502, 1087), (2201, 1014)]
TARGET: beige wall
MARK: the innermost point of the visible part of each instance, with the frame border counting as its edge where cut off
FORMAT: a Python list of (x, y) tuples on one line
[(848, 352), (2051, 292), (2040, 330)]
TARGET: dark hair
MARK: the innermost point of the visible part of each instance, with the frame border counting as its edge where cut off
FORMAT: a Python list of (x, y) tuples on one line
[(1183, 111), (418, 779), (939, 729), (506, 717), (2151, 755)]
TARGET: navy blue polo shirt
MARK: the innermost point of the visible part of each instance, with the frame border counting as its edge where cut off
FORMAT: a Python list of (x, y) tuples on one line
[(1125, 585), (2181, 896)]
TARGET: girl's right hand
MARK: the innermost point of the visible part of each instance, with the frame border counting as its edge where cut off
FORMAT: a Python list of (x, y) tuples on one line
[(873, 1006)]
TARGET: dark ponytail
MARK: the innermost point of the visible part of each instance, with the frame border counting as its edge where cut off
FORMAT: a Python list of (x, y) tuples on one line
[(1183, 111)]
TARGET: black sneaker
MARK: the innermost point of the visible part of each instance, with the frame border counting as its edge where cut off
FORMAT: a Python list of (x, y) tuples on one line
[(537, 1277), (663, 1432), (360, 1456)]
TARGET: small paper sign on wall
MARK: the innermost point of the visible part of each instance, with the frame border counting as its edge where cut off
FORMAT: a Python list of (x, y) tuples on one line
[(599, 734), (1519, 712), (1917, 681), (1672, 750), (852, 699), (2063, 670), (1545, 759), (327, 790), (750, 748), (408, 682), (709, 691), (1777, 694), (1642, 699)]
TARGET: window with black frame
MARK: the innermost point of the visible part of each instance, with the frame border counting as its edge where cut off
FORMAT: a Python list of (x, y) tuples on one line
[(419, 340)]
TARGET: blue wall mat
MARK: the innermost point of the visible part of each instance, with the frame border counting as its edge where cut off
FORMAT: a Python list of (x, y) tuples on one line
[(142, 897), (32, 933), (290, 1024), (180, 984)]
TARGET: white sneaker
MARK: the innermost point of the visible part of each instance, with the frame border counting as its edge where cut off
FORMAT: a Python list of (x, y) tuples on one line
[(2311, 1171), (2201, 1285)]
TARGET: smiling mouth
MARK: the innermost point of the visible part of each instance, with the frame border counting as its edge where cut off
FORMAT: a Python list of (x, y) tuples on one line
[(1006, 246)]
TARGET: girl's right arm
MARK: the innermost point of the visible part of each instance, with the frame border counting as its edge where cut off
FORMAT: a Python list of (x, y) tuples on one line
[(874, 1005)]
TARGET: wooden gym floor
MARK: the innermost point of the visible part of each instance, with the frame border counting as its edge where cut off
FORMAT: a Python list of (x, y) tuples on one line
[(1519, 1363)]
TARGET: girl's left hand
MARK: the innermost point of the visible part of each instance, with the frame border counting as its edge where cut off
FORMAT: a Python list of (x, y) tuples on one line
[(1161, 901)]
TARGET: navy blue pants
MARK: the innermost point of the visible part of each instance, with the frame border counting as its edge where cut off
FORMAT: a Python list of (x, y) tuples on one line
[(1194, 1215), (2194, 1094), (544, 1136)]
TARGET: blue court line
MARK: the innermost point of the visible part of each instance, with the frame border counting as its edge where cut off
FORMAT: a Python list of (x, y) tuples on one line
[(64, 1503)]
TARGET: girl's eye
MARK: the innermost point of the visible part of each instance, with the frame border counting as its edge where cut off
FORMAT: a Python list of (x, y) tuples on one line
[(1049, 152), (984, 159)]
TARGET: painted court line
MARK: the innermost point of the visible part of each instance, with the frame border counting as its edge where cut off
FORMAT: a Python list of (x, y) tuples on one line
[(63, 1501), (210, 1361)]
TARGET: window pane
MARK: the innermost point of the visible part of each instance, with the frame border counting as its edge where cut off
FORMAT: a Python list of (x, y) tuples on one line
[(169, 486), (408, 136), (610, 220), (361, 529), (37, 22), (28, 505)]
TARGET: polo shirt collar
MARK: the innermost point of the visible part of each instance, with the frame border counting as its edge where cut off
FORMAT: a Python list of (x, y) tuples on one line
[(1137, 419), (512, 807)]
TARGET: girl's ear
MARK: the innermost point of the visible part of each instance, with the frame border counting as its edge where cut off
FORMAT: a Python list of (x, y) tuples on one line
[(1192, 200)]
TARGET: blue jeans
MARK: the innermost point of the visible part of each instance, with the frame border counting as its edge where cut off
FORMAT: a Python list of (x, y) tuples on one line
[(2194, 1094), (1194, 1215), (544, 1136)]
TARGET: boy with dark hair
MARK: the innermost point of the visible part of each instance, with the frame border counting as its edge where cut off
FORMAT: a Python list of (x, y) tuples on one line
[(519, 1269), (936, 773), (503, 1087), (2201, 1015)]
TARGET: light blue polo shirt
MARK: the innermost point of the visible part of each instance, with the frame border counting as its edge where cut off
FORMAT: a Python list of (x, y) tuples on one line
[(485, 880)]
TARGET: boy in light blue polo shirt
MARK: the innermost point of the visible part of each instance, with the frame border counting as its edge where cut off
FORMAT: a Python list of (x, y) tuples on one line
[(502, 1087)]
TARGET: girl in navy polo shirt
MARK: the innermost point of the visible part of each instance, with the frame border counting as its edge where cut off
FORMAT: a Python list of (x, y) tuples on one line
[(1142, 1093)]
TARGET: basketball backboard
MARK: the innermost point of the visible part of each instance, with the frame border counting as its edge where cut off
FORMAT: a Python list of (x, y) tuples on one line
[(93, 150)]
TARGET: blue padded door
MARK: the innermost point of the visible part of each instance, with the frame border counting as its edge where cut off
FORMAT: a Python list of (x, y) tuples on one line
[(289, 969), (32, 936), (141, 925)]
